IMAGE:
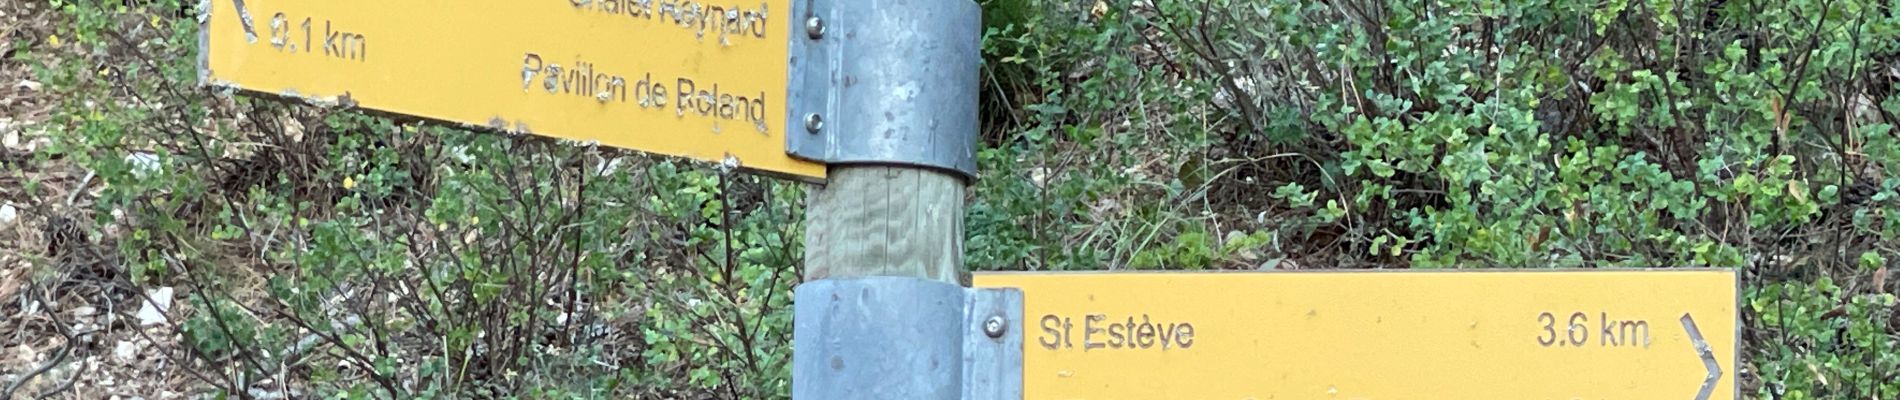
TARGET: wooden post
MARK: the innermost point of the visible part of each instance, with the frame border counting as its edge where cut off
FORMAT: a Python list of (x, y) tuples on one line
[(886, 221), (886, 91)]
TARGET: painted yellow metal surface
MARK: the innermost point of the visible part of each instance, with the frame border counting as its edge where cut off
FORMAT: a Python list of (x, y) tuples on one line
[(699, 79), (1377, 335)]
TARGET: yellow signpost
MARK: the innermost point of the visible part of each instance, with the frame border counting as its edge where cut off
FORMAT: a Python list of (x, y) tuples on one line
[(698, 79), (1661, 334)]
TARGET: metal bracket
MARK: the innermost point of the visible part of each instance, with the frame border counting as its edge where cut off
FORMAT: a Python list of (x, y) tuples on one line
[(906, 338), (885, 82)]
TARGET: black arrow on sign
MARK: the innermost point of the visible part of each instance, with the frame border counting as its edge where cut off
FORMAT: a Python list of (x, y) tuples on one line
[(1708, 357)]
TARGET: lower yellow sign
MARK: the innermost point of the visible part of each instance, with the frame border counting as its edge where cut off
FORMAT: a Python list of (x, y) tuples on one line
[(1599, 334)]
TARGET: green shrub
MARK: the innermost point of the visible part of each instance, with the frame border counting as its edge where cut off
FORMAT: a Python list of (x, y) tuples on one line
[(1462, 134), (1828, 344), (368, 257)]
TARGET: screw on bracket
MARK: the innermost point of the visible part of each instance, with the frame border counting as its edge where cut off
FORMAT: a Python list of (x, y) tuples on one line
[(815, 27), (814, 123), (995, 326)]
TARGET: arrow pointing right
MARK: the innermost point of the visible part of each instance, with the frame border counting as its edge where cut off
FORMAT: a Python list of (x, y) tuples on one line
[(1708, 357)]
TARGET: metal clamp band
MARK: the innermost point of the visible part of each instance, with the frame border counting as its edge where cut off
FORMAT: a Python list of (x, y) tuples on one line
[(894, 83), (906, 338)]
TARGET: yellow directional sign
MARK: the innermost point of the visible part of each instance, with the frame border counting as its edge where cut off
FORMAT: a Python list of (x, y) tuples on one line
[(1668, 334), (703, 79)]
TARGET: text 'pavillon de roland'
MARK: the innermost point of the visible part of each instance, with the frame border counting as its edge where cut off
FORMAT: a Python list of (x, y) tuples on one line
[(718, 25)]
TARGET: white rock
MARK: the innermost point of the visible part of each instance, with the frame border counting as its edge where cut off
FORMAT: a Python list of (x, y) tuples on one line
[(153, 312), (85, 311), (125, 351), (8, 214), (29, 85), (608, 167), (7, 127), (26, 355), (460, 154), (143, 164)]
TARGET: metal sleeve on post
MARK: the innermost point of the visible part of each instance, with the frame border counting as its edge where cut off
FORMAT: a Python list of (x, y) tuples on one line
[(894, 82), (993, 356), (905, 338)]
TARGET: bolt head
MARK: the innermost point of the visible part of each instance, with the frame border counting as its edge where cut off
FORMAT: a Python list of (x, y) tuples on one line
[(815, 27), (814, 123), (995, 326)]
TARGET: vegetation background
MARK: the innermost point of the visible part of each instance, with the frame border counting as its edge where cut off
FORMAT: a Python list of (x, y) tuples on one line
[(161, 240)]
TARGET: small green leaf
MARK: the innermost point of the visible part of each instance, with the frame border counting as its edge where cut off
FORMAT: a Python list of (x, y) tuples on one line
[(1872, 260)]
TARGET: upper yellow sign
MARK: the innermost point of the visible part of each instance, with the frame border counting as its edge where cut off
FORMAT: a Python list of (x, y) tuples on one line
[(698, 79), (1378, 335)]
